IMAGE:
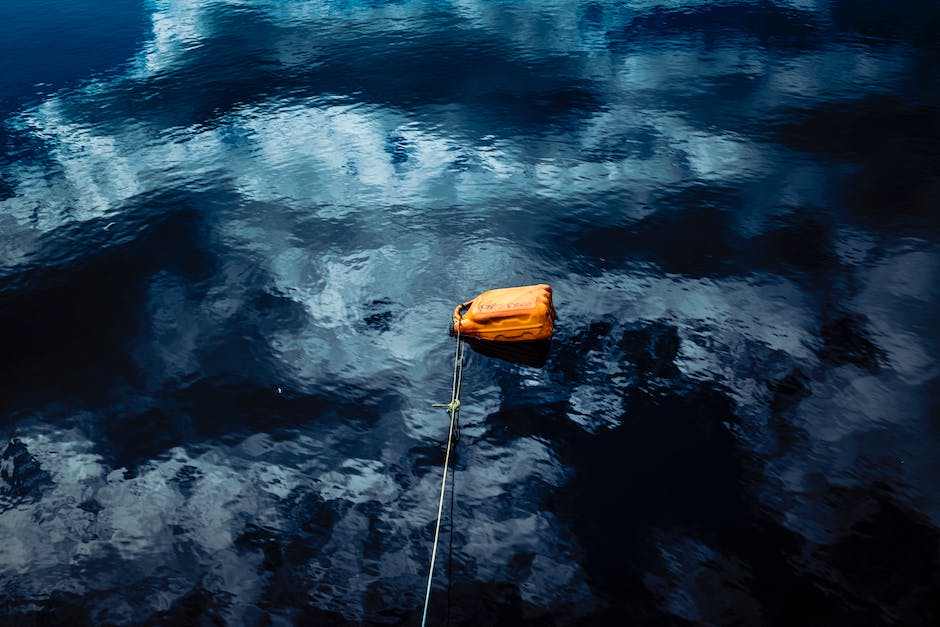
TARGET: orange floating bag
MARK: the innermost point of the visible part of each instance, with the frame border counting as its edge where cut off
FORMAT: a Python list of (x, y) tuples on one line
[(512, 314)]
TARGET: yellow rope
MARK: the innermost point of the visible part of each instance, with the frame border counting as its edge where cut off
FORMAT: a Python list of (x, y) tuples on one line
[(453, 408)]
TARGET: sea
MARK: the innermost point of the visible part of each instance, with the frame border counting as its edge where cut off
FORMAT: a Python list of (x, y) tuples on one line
[(233, 233)]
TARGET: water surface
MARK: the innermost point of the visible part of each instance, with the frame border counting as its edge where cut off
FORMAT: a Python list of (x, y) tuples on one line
[(232, 234)]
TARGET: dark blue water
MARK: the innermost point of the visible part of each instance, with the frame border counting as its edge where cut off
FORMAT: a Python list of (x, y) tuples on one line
[(232, 234)]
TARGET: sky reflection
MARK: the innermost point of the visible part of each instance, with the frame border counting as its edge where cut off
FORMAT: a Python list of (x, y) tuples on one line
[(258, 222)]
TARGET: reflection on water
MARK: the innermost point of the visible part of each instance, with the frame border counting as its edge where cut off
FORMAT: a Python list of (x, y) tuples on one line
[(230, 243)]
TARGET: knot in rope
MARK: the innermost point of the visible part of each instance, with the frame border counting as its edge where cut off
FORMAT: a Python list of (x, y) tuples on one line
[(452, 406)]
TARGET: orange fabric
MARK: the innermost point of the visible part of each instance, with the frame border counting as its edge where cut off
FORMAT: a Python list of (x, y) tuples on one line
[(512, 314)]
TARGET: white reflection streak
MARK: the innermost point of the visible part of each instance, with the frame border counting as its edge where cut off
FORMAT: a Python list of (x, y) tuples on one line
[(177, 27)]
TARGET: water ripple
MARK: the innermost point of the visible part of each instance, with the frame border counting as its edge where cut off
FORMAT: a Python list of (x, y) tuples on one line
[(231, 239)]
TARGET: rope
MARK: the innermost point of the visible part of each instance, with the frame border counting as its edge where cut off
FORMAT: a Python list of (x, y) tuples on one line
[(450, 552), (453, 408)]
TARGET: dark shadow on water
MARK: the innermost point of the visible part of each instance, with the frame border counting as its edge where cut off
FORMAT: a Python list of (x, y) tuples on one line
[(696, 232), (886, 558), (532, 354), (894, 142), (690, 232), (766, 24), (66, 320), (449, 63), (883, 23), (845, 340)]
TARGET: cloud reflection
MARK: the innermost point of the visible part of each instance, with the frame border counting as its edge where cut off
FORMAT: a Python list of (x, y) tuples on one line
[(367, 207)]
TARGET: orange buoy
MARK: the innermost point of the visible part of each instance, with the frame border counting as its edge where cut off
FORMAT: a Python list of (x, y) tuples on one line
[(511, 314)]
